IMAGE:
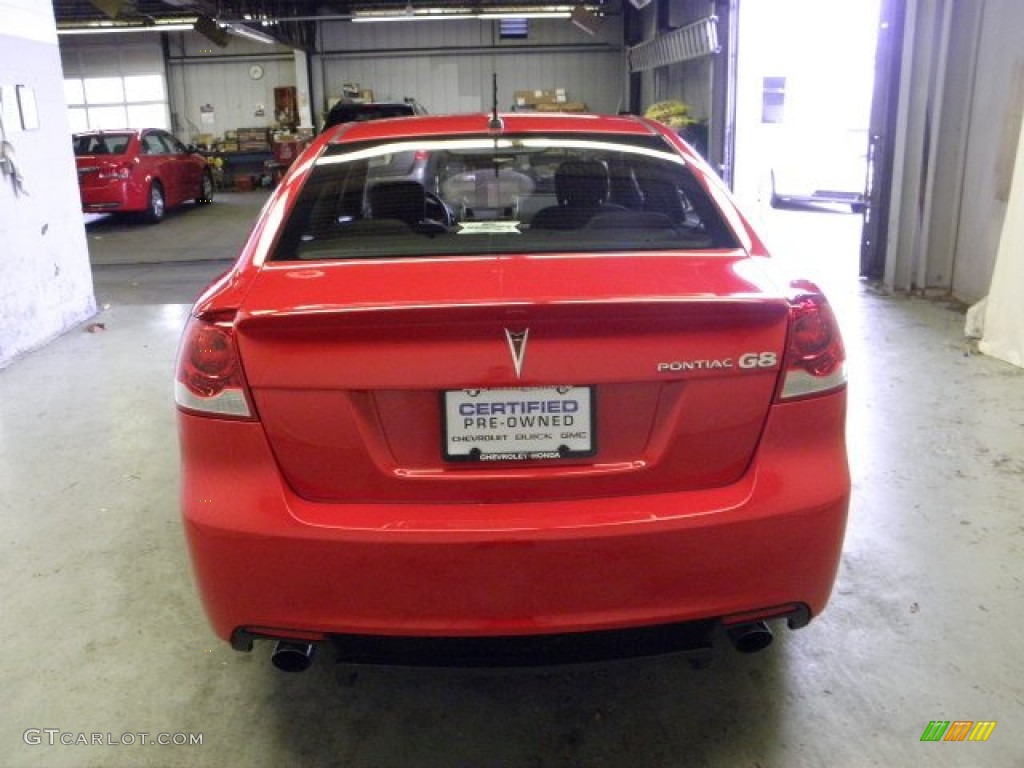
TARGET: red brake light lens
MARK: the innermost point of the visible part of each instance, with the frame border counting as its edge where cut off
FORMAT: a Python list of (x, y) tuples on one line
[(212, 355), (209, 377), (815, 357), (121, 171)]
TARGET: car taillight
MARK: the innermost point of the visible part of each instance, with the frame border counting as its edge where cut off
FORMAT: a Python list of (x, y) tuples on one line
[(209, 375), (122, 172), (815, 359)]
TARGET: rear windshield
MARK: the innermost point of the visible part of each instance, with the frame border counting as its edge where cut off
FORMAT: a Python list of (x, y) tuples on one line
[(101, 143), (481, 195)]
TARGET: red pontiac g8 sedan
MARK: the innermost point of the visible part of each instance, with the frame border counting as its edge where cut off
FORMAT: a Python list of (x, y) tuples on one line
[(145, 171), (553, 401)]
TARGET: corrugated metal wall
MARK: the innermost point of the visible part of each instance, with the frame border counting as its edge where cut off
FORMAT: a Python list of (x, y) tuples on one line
[(962, 98), (202, 74), (198, 74), (447, 65)]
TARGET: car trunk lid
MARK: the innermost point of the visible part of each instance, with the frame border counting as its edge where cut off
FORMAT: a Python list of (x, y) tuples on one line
[(647, 373)]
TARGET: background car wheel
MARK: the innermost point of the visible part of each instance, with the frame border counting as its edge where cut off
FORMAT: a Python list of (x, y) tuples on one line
[(157, 204), (205, 190)]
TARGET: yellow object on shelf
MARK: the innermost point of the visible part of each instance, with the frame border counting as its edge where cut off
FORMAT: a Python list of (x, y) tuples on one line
[(675, 114)]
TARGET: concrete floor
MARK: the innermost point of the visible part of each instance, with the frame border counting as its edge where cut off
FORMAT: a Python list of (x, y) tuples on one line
[(106, 639)]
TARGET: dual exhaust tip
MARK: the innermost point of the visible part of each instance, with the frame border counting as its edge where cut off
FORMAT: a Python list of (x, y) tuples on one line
[(293, 656), (297, 656), (749, 638)]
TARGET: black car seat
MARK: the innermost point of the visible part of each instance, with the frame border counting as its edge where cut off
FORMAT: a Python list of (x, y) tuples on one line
[(581, 188), (405, 201), (662, 196)]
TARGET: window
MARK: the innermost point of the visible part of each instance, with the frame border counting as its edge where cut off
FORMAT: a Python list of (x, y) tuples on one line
[(773, 99), (513, 29), (475, 195), (152, 144), (127, 100)]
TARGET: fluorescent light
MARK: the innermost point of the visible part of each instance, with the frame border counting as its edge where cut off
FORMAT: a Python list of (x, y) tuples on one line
[(364, 17), (526, 15), (105, 28), (438, 14), (243, 31)]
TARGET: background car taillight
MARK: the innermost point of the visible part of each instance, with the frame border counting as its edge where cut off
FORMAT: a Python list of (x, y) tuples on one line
[(815, 360), (209, 377), (121, 171)]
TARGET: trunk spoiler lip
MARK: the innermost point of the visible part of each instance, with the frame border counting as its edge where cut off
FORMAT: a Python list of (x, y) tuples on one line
[(392, 310), (689, 254), (743, 280)]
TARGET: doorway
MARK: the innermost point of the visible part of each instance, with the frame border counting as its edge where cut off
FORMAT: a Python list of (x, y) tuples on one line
[(805, 77)]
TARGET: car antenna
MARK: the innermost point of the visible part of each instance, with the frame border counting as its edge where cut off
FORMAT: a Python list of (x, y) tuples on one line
[(496, 125)]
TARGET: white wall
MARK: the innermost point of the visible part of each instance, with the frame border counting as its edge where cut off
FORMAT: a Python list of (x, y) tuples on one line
[(45, 278), (1004, 314)]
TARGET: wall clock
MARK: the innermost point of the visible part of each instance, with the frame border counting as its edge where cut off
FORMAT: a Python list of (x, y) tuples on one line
[(255, 71)]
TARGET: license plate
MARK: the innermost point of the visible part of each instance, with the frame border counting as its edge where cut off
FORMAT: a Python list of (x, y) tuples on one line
[(521, 424)]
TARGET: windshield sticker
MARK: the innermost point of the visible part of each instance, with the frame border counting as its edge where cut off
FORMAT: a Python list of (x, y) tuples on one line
[(489, 228)]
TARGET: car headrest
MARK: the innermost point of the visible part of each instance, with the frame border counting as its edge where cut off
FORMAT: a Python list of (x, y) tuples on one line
[(404, 200), (581, 183)]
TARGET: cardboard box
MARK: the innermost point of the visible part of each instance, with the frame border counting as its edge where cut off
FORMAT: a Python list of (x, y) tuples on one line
[(539, 96), (566, 106)]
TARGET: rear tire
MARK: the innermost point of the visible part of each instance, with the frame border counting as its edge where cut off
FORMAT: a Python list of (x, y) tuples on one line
[(205, 189), (157, 209)]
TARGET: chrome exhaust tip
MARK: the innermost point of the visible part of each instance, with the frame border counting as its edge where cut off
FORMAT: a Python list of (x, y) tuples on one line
[(292, 656)]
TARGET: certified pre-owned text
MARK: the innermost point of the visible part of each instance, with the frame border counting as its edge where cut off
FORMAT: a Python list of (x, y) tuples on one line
[(515, 414)]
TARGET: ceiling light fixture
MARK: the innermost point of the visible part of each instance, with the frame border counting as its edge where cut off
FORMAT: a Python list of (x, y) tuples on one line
[(585, 20), (416, 16), (450, 14), (524, 15), (212, 31), (252, 34), (109, 28)]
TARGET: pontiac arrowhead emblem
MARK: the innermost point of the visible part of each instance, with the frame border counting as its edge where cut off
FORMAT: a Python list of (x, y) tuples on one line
[(517, 346)]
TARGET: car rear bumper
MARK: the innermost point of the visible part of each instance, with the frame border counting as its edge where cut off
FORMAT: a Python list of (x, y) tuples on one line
[(267, 564), (112, 195), (101, 207)]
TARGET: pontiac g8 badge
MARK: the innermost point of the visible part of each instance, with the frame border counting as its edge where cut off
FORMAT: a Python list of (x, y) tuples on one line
[(517, 346)]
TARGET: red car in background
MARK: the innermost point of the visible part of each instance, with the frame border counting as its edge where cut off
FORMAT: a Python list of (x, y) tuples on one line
[(557, 401), (146, 171)]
